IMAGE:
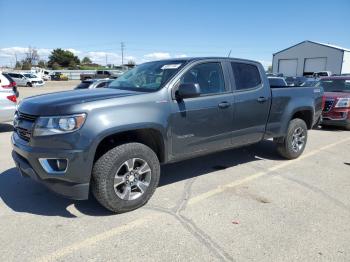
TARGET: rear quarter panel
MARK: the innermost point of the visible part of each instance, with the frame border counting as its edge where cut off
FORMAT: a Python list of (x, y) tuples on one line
[(288, 101)]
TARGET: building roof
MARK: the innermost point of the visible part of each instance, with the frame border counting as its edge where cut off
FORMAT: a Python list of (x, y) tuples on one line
[(317, 43)]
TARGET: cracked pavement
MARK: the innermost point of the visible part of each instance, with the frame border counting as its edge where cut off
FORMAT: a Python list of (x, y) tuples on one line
[(244, 204)]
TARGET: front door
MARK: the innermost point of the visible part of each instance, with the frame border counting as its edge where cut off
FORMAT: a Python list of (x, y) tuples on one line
[(203, 123)]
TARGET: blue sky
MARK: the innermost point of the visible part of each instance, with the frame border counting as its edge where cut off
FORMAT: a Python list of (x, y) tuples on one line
[(160, 29)]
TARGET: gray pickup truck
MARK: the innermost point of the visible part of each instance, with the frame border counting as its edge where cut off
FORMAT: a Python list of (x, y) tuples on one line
[(113, 140), (100, 74)]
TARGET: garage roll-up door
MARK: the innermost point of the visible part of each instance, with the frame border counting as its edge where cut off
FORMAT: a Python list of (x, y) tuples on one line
[(315, 64), (288, 67)]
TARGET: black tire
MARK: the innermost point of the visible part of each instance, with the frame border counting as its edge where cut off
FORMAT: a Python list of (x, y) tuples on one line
[(29, 84), (106, 168), (317, 124), (285, 145)]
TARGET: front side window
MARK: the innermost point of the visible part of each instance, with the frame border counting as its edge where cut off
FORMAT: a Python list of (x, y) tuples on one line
[(148, 77), (208, 76), (246, 76)]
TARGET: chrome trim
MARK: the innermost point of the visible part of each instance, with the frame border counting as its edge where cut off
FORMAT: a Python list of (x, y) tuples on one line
[(48, 169)]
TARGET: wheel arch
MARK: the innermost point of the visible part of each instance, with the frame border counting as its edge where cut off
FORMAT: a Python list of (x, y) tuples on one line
[(149, 136)]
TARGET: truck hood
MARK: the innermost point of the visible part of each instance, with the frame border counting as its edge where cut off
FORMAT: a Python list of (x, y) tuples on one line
[(61, 102), (336, 94)]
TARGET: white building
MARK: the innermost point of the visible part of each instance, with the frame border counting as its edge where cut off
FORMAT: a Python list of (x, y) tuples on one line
[(308, 57)]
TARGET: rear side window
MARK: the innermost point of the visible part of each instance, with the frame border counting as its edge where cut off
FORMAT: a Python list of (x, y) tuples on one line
[(247, 76), (100, 85)]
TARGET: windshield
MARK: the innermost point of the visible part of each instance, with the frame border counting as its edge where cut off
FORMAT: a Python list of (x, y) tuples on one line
[(336, 85), (148, 77)]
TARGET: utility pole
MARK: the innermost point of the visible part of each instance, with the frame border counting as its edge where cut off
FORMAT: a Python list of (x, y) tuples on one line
[(122, 46), (106, 60)]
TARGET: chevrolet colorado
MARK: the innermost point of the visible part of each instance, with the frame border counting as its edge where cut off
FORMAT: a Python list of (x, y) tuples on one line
[(112, 140)]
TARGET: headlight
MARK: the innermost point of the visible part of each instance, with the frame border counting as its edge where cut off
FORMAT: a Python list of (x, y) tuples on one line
[(343, 102), (53, 125)]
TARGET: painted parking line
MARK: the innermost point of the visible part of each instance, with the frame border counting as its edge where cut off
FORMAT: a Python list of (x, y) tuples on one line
[(138, 222), (221, 189)]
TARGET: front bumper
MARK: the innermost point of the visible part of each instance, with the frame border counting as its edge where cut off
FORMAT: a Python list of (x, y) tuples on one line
[(336, 117), (74, 183)]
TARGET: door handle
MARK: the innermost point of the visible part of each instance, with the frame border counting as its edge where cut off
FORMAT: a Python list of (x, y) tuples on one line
[(224, 104), (262, 99)]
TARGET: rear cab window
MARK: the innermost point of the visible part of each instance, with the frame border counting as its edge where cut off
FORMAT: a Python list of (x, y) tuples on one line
[(84, 85), (247, 76)]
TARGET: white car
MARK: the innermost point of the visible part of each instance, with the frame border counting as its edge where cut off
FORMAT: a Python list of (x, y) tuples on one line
[(26, 79), (4, 82), (8, 102)]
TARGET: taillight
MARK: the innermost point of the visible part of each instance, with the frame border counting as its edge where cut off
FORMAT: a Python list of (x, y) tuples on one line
[(12, 84), (12, 98)]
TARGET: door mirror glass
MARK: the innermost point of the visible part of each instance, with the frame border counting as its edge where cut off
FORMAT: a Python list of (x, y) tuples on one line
[(187, 90)]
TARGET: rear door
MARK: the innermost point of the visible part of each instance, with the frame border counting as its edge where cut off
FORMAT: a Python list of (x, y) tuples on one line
[(203, 123), (252, 98)]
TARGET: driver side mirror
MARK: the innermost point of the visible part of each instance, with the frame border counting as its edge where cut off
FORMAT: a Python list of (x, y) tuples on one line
[(187, 90)]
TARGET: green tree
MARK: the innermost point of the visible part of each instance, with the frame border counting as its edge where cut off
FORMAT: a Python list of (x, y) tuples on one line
[(63, 58), (42, 64), (86, 60), (55, 66), (26, 65), (18, 65)]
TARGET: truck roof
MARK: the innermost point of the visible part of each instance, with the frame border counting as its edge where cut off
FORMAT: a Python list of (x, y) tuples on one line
[(190, 59), (335, 77)]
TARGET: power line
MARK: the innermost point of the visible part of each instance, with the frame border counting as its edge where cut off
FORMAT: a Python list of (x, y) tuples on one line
[(122, 46)]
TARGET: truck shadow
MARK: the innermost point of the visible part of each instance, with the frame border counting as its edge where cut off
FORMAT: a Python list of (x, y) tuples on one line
[(4, 127), (25, 195)]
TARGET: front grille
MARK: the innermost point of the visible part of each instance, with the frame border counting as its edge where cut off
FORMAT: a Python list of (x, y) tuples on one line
[(328, 105), (27, 117), (25, 125), (24, 133)]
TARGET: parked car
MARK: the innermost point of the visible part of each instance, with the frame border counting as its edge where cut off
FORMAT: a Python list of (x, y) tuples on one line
[(93, 83), (8, 102), (112, 140), (337, 101), (36, 81), (41, 73), (99, 74), (295, 80), (275, 81), (322, 74), (58, 76), (10, 84), (26, 79), (311, 82)]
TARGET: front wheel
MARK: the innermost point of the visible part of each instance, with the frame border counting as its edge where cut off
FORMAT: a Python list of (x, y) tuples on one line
[(293, 144), (125, 177), (29, 84)]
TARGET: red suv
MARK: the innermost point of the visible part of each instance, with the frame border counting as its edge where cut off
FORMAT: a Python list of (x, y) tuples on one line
[(336, 111)]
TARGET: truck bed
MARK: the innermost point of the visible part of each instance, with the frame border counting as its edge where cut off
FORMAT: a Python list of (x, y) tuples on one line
[(286, 101)]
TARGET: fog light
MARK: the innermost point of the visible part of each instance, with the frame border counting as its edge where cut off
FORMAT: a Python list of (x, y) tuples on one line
[(54, 165)]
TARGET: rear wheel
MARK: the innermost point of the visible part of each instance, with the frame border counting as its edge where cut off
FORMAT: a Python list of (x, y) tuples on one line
[(293, 144), (29, 84), (125, 177)]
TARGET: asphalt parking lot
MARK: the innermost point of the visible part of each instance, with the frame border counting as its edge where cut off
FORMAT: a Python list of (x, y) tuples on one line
[(245, 204)]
